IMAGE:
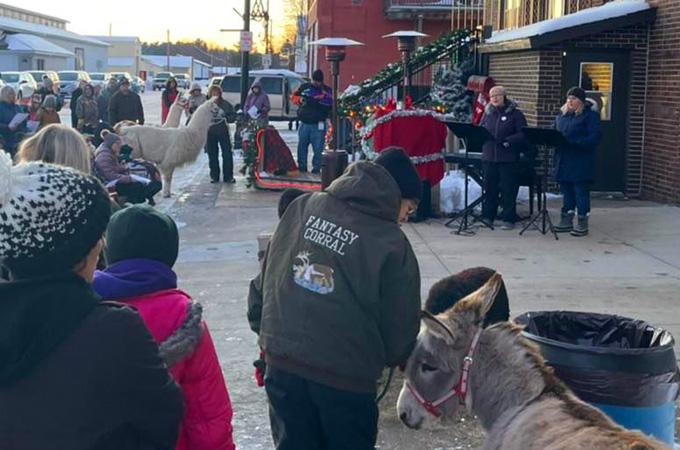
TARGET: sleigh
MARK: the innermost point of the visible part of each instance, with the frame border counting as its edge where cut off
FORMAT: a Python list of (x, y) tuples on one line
[(275, 167)]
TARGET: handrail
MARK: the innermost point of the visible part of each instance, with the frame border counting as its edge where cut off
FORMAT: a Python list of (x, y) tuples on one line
[(393, 73)]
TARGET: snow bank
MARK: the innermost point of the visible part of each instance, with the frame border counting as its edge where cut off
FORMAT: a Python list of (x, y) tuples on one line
[(609, 10), (452, 191)]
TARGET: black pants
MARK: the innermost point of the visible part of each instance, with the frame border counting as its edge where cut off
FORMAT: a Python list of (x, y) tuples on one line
[(503, 179), (311, 416), (222, 141), (136, 192)]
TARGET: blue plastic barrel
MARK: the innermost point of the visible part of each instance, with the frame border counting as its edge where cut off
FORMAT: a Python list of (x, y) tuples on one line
[(624, 366)]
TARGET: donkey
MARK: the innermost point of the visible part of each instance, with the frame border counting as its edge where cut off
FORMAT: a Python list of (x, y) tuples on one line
[(502, 378)]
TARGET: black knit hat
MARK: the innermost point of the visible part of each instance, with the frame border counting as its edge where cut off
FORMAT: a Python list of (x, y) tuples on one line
[(51, 217), (399, 165), (578, 93), (141, 231), (287, 198), (317, 75)]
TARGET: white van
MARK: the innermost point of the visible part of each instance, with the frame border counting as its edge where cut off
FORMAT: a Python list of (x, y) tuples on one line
[(278, 84)]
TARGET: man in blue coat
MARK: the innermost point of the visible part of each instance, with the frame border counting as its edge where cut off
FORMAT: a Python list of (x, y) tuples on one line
[(11, 135), (575, 164)]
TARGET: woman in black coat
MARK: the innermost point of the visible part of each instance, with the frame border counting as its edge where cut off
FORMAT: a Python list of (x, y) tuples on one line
[(218, 138), (500, 157), (575, 165), (76, 373)]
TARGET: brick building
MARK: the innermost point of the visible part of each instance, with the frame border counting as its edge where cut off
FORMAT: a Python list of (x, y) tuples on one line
[(367, 21), (624, 53)]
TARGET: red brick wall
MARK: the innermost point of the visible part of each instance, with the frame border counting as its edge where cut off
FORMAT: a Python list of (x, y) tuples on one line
[(661, 167)]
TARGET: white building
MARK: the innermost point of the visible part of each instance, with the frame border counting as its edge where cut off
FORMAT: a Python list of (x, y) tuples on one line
[(195, 69), (35, 41), (125, 53)]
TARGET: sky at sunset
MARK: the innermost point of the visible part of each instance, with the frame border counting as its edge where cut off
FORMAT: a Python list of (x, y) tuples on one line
[(150, 20)]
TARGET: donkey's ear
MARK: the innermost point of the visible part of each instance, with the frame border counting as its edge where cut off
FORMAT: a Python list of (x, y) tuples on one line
[(481, 301), (437, 326)]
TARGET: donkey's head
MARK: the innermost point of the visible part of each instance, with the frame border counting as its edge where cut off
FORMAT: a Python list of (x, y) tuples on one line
[(434, 369)]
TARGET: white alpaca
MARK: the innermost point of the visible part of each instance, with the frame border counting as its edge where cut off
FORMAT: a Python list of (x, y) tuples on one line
[(170, 148), (175, 114)]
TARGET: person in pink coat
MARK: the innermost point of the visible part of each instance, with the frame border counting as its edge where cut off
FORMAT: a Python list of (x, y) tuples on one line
[(141, 249)]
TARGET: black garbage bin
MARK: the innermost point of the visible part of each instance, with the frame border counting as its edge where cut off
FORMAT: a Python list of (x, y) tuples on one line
[(624, 366)]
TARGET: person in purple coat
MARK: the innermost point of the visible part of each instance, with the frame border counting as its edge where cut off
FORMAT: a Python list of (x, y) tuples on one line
[(500, 157), (259, 99)]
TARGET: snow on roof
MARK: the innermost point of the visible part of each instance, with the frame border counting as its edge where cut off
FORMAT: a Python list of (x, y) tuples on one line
[(116, 38), (609, 10), (34, 44), (124, 61), (20, 26), (175, 61)]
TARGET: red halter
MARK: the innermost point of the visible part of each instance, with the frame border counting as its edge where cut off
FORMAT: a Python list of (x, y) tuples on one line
[(460, 389)]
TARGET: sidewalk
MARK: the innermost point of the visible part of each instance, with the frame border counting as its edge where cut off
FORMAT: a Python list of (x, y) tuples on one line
[(629, 265)]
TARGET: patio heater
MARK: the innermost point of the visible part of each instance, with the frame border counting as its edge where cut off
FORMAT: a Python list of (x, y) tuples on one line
[(334, 161), (406, 44)]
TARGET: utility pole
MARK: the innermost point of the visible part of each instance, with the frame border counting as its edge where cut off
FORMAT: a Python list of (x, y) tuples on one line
[(245, 69), (167, 50)]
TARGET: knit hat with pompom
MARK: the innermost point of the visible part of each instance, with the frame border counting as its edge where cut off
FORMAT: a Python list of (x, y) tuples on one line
[(50, 217)]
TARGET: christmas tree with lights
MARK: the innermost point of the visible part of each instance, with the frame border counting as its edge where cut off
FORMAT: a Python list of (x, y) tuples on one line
[(450, 93)]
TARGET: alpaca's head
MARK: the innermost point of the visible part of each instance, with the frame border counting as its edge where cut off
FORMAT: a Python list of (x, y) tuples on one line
[(206, 114)]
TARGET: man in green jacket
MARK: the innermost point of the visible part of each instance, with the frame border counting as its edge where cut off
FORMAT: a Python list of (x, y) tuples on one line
[(338, 299)]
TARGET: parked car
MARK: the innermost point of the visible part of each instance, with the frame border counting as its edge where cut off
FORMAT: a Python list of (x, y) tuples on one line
[(23, 83), (215, 81), (160, 79), (138, 85), (38, 76), (69, 80), (99, 79), (183, 81), (278, 84)]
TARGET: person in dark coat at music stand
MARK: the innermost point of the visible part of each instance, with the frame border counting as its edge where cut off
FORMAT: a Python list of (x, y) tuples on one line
[(575, 165), (500, 157)]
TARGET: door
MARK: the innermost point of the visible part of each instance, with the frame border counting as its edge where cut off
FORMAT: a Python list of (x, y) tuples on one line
[(605, 78)]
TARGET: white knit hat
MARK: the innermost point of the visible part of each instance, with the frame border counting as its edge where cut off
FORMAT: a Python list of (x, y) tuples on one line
[(50, 216)]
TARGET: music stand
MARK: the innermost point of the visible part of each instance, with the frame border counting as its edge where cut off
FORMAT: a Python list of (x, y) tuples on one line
[(474, 138), (544, 137)]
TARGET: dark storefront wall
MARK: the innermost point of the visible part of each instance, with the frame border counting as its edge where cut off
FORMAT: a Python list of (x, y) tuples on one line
[(605, 77), (536, 78)]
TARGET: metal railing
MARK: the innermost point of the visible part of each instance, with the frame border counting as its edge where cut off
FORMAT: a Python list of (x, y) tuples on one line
[(447, 5)]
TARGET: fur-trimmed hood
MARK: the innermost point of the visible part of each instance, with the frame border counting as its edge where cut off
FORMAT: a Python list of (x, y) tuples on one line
[(174, 319), (510, 105)]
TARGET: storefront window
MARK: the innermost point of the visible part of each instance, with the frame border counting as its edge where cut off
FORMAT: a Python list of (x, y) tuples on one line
[(511, 14), (555, 8), (596, 80)]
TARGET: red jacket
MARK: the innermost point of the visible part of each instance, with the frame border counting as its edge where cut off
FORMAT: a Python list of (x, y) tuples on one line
[(167, 99), (185, 344)]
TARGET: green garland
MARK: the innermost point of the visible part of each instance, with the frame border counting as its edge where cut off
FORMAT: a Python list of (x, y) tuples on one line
[(393, 72), (249, 134)]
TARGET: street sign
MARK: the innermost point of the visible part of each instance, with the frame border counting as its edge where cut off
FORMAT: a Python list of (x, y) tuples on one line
[(267, 60), (246, 41)]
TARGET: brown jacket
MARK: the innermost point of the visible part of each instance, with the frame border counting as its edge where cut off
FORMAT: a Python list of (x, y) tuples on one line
[(48, 117)]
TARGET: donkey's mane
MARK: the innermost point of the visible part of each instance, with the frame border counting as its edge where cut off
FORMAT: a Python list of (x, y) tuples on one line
[(553, 385)]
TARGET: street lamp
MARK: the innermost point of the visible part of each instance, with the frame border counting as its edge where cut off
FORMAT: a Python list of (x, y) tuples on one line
[(406, 43), (335, 160)]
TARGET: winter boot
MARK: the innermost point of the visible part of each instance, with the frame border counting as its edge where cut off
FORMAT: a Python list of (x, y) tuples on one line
[(566, 224), (581, 228)]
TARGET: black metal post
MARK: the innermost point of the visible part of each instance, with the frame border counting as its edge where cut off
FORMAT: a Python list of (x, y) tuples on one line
[(335, 71), (245, 57)]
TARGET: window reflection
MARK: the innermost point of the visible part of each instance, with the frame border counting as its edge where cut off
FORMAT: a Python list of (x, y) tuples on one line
[(596, 80)]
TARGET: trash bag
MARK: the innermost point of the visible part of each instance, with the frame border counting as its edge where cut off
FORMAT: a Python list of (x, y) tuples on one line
[(626, 367)]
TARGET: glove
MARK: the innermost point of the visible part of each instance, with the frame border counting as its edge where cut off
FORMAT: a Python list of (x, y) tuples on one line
[(260, 369)]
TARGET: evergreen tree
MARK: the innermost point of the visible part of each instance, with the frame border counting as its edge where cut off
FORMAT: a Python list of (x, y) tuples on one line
[(450, 92)]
